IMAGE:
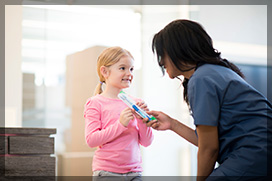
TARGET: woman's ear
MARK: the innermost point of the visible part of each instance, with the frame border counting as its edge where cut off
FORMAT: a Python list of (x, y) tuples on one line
[(104, 71)]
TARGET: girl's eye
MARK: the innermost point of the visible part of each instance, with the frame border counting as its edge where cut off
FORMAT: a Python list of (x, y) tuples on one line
[(122, 68), (131, 69)]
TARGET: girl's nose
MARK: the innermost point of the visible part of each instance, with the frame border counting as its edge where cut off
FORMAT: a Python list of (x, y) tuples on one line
[(129, 72)]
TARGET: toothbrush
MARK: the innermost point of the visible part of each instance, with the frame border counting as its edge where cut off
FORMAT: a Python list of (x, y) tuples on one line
[(131, 103)]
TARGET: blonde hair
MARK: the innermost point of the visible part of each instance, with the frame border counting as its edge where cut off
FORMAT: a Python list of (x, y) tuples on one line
[(107, 58)]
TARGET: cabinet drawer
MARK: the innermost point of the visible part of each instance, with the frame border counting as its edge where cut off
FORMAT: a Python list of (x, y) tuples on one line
[(30, 145), (29, 166)]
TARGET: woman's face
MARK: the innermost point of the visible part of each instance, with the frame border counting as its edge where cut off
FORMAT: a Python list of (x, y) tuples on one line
[(173, 71)]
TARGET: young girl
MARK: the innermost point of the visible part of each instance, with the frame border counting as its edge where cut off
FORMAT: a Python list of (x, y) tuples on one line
[(110, 124)]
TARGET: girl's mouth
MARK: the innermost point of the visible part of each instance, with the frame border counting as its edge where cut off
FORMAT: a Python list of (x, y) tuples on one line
[(126, 80)]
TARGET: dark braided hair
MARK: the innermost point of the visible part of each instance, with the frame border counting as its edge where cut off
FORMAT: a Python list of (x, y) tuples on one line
[(186, 42)]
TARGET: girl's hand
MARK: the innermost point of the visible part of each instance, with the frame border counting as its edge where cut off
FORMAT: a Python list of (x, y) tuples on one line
[(141, 105), (163, 122), (125, 116)]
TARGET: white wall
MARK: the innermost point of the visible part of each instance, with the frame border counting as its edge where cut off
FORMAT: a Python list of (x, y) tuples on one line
[(13, 73), (238, 31)]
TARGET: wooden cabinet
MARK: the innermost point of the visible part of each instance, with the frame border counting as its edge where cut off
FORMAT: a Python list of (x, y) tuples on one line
[(27, 152)]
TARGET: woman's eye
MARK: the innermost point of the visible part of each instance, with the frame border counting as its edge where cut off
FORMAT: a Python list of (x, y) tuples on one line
[(161, 64)]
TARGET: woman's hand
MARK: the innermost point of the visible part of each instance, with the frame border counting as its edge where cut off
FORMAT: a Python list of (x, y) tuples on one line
[(125, 116), (163, 122)]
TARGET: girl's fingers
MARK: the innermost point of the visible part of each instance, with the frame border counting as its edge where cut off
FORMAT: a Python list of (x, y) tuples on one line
[(145, 120), (141, 104)]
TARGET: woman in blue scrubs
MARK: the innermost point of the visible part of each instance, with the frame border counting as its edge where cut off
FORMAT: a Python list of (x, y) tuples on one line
[(231, 117)]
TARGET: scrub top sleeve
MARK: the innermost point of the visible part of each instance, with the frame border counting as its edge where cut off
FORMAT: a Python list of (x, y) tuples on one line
[(204, 101)]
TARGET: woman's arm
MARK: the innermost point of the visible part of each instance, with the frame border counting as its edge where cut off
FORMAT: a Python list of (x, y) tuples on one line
[(165, 122), (184, 131), (207, 140), (208, 148)]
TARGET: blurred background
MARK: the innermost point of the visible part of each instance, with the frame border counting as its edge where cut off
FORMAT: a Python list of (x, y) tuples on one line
[(50, 70)]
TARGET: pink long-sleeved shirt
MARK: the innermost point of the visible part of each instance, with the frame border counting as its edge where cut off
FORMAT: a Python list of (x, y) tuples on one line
[(118, 146)]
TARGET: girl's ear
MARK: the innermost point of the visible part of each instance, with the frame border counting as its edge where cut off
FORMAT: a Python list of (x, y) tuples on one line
[(104, 71)]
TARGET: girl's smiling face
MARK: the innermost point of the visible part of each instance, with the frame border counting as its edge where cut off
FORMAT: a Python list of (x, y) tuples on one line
[(120, 74)]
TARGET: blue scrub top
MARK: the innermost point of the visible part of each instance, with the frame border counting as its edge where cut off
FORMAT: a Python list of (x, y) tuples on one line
[(220, 97)]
